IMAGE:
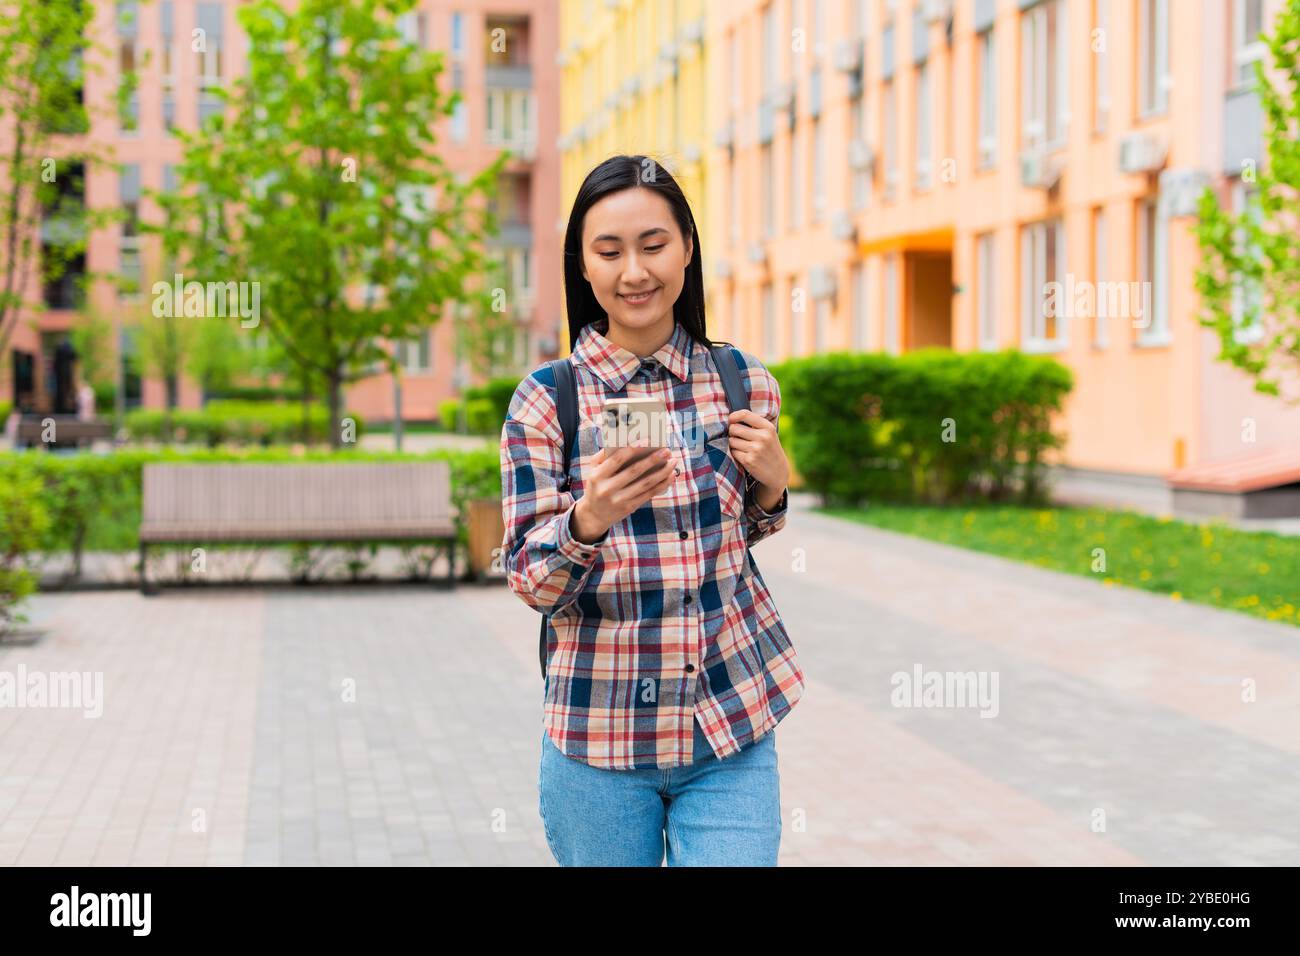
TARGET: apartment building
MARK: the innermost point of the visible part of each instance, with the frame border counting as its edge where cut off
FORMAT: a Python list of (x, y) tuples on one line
[(895, 174), (499, 58), (633, 79)]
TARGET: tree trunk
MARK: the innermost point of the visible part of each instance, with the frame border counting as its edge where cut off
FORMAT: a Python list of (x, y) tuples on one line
[(335, 424)]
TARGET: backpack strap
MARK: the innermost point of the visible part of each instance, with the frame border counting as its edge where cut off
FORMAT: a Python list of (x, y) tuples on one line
[(724, 359), (566, 410)]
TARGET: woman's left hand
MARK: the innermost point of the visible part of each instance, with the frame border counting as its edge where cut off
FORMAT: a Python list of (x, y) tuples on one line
[(755, 446)]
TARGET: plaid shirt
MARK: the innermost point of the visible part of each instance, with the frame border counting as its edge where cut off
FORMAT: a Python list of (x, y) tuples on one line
[(666, 618)]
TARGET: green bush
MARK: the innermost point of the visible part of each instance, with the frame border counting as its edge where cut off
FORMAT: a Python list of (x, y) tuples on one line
[(105, 398), (449, 413), (5, 409), (257, 393), (22, 524), (235, 422), (94, 500), (932, 425), (480, 417)]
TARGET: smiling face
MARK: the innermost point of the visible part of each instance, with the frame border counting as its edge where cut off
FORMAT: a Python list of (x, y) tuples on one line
[(635, 257)]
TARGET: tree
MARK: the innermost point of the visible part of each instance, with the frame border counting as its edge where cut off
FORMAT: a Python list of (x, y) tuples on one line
[(42, 45), (1250, 264), (321, 184)]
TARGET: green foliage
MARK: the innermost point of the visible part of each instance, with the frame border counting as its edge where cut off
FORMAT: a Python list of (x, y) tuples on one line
[(235, 422), (931, 425), (480, 416), (1250, 263), (449, 413), (6, 407), (22, 523)]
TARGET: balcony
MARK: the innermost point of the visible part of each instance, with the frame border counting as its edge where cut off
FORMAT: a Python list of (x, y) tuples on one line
[(508, 77)]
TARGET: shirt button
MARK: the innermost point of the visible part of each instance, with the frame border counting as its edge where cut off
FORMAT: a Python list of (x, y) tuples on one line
[(690, 668), (687, 599), (683, 535)]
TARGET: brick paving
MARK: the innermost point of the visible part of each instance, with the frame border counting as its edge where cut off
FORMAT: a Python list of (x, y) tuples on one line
[(340, 726)]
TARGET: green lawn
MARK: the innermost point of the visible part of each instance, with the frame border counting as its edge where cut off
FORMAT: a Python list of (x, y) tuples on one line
[(1252, 571)]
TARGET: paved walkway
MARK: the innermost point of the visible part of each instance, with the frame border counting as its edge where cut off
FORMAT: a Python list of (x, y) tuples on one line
[(400, 725)]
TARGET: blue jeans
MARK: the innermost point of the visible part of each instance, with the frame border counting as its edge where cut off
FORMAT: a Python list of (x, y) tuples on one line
[(713, 813)]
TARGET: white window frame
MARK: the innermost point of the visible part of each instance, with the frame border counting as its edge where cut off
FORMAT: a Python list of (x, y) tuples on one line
[(1045, 73), (1154, 80), (795, 198), (889, 119), (821, 324), (818, 176), (768, 306), (986, 290), (1036, 272), (924, 141), (1101, 68), (1100, 270), (987, 132), (1246, 50), (767, 154), (1153, 267)]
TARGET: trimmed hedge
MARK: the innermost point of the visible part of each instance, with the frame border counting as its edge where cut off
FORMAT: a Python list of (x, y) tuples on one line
[(93, 500), (929, 426), (236, 422), (5, 409), (23, 523)]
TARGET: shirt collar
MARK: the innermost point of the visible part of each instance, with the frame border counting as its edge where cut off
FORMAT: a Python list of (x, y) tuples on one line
[(615, 365)]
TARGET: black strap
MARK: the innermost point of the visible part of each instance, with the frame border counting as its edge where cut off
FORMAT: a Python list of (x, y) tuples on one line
[(566, 409)]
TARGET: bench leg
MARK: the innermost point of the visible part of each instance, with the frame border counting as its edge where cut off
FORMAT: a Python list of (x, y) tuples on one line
[(145, 588), (451, 563)]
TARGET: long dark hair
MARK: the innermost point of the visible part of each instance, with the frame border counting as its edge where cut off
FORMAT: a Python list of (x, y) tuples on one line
[(613, 175)]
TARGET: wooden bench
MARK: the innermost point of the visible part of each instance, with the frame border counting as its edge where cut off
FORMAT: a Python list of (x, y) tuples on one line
[(68, 431), (269, 503), (1262, 484)]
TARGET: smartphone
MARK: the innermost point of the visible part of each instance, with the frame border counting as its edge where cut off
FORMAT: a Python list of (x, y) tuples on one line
[(634, 422)]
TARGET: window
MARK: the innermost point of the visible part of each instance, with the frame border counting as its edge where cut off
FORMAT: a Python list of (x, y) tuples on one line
[(460, 115), (769, 321), (859, 282), (796, 183), (414, 354), (1100, 49), (890, 120), (1248, 23), (735, 203), (923, 160), (861, 172), (796, 318), (508, 117), (1044, 57), (1099, 273), (891, 303), (1247, 298), (771, 50), (128, 62), (769, 188), (987, 144), (985, 292), (128, 189), (1153, 56), (209, 22), (1042, 261), (733, 45), (1153, 271), (165, 44), (821, 325), (818, 175), (457, 34)]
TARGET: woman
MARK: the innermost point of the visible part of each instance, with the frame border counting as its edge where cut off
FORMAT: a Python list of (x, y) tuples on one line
[(668, 665)]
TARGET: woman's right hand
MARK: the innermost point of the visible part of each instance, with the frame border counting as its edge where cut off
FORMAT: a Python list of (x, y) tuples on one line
[(620, 481)]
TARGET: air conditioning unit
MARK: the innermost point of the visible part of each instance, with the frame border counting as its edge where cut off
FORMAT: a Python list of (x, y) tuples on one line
[(1181, 189), (842, 227), (693, 32), (757, 253), (612, 4), (821, 282), (935, 10), (690, 153), (847, 55), (861, 155), (783, 98), (1141, 153), (722, 268), (725, 135), (1038, 170), (668, 51)]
